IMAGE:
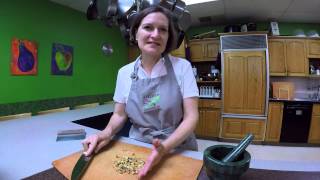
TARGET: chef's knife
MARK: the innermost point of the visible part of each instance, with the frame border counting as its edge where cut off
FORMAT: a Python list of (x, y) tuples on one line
[(81, 165)]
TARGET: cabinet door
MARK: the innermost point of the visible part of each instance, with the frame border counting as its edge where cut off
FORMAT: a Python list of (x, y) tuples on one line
[(200, 129), (211, 122), (277, 57), (244, 82), (296, 59), (237, 128), (316, 110), (234, 83), (232, 128), (313, 48), (196, 51), (256, 83), (314, 134), (274, 122), (256, 127), (211, 49)]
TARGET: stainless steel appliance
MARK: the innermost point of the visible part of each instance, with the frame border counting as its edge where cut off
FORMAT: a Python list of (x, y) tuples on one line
[(245, 76), (296, 122)]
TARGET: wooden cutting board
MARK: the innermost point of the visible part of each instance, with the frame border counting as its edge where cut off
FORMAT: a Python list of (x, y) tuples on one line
[(172, 167)]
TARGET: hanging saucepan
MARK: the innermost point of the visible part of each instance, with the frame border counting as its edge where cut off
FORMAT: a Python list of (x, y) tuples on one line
[(147, 3), (183, 15), (125, 7), (102, 9), (112, 8), (92, 12), (232, 28)]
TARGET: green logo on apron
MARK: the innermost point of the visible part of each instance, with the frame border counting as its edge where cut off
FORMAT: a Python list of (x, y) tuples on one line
[(151, 102)]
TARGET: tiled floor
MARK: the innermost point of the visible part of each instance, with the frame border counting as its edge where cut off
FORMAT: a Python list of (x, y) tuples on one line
[(278, 155)]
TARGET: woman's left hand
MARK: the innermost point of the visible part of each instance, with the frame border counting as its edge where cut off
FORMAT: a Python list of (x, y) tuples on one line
[(158, 151)]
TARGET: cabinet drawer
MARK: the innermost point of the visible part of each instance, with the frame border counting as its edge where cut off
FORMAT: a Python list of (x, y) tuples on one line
[(316, 110), (211, 103)]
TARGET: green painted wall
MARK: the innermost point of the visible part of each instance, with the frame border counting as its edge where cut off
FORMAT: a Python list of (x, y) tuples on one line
[(286, 29), (46, 22)]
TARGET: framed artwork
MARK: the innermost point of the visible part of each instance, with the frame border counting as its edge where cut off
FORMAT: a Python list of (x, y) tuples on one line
[(62, 59), (24, 57)]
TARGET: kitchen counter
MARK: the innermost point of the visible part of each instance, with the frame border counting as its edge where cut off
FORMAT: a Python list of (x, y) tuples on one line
[(295, 100), (251, 174), (29, 146), (211, 98)]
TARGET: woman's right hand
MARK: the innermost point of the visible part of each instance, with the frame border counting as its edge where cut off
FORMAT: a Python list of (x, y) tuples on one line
[(94, 143)]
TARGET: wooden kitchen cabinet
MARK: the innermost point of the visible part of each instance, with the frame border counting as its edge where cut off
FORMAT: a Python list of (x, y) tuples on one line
[(180, 52), (277, 57), (314, 133), (204, 49), (238, 128), (313, 48), (297, 62), (274, 122), (244, 82), (287, 57), (209, 118)]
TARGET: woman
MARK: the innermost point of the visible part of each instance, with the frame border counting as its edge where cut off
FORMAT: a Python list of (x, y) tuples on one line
[(157, 92)]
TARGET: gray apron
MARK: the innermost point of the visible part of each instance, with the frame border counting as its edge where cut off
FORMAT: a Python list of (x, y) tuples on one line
[(155, 107)]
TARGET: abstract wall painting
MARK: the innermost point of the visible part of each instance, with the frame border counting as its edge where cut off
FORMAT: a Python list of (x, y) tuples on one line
[(62, 59), (24, 57)]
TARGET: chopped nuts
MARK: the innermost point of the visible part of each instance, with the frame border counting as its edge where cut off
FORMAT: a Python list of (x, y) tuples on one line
[(128, 164)]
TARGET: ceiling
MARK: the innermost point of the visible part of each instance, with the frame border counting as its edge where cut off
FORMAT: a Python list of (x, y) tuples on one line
[(240, 11)]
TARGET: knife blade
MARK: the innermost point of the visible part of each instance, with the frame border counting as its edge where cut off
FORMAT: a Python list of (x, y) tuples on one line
[(81, 166)]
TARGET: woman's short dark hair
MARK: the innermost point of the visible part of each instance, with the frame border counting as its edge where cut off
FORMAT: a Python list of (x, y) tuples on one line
[(172, 38)]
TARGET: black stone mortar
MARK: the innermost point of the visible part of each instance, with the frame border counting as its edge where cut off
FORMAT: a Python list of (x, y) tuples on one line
[(218, 170)]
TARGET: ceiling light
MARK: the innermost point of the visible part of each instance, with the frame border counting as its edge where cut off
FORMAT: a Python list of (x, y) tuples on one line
[(189, 2)]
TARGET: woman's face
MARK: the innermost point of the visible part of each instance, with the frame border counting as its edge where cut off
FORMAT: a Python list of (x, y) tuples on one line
[(152, 34)]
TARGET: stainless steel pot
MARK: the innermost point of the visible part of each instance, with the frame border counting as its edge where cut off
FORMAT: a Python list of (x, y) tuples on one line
[(122, 12)]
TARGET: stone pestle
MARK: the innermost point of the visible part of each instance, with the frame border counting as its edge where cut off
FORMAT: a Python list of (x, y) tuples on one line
[(236, 151)]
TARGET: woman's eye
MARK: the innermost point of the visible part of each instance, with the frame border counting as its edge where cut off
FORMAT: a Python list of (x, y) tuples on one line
[(163, 29), (147, 27)]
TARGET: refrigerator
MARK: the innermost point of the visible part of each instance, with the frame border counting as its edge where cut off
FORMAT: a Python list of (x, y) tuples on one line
[(245, 84)]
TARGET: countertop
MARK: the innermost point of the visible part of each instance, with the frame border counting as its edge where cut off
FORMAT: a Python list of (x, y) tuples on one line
[(29, 146), (277, 100), (251, 174), (295, 100)]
